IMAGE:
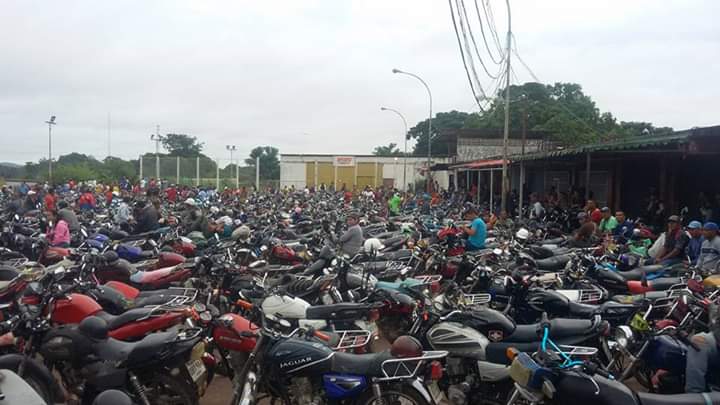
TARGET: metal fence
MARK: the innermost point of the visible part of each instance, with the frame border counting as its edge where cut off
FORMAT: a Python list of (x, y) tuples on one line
[(201, 171)]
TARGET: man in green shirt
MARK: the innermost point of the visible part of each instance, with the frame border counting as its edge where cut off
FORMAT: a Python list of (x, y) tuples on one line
[(608, 223), (394, 204)]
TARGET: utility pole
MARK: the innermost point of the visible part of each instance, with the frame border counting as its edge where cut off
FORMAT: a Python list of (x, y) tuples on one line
[(233, 148), (506, 131), (50, 123), (522, 152), (157, 138)]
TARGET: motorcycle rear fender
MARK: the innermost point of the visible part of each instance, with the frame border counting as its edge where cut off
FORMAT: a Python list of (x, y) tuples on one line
[(12, 362), (420, 387)]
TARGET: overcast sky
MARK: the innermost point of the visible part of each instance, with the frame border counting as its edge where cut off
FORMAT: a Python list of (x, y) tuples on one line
[(309, 76)]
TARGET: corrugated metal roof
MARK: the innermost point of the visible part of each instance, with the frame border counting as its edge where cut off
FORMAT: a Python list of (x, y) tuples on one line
[(638, 142), (478, 164)]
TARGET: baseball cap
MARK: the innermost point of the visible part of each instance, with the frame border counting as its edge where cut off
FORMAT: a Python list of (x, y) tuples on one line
[(673, 218), (710, 226), (605, 209), (694, 225)]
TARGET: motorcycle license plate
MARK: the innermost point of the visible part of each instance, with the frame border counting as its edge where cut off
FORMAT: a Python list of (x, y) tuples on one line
[(196, 368)]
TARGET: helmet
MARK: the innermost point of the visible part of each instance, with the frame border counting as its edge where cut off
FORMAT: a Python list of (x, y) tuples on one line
[(214, 210), (522, 234), (241, 233), (373, 245)]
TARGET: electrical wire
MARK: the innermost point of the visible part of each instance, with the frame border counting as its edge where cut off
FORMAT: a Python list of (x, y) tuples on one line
[(517, 53), (490, 18), (482, 31), (462, 55), (472, 37), (471, 60)]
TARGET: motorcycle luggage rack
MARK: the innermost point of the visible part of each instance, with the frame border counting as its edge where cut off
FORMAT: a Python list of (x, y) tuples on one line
[(578, 351), (590, 296), (476, 299), (351, 339), (407, 367), (190, 293), (427, 279)]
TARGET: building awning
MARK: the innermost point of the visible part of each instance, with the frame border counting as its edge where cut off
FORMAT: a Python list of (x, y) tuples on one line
[(478, 164)]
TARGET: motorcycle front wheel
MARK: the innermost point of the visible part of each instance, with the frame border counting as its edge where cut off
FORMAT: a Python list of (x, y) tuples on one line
[(393, 396)]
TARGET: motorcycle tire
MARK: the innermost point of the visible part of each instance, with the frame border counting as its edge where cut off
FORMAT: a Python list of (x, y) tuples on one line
[(392, 395), (163, 389)]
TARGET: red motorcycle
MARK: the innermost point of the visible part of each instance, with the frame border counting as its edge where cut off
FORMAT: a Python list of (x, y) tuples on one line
[(109, 267)]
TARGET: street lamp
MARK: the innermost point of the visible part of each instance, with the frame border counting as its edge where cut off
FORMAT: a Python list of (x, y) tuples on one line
[(233, 148), (405, 138), (429, 120), (50, 123), (157, 138)]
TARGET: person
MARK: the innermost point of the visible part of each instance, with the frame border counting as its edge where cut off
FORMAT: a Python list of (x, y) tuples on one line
[(86, 200), (146, 216), (68, 215), (676, 241), (352, 240), (297, 215), (593, 212), (122, 216), (624, 228), (59, 234), (194, 219), (710, 250), (171, 194), (504, 222), (695, 230), (697, 362), (476, 232), (50, 200), (537, 211), (608, 222), (584, 235), (394, 204), (31, 202)]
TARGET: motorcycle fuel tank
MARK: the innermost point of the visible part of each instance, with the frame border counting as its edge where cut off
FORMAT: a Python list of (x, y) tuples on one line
[(284, 306), (294, 357), (74, 309), (228, 333), (458, 339)]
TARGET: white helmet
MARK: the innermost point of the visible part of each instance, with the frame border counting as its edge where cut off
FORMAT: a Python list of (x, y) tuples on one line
[(522, 234), (373, 245)]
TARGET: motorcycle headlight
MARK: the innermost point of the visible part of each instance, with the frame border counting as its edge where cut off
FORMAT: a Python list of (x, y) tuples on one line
[(624, 336)]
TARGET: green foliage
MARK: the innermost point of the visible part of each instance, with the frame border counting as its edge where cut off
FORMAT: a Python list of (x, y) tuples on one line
[(182, 145), (442, 121), (390, 150), (563, 110), (269, 161)]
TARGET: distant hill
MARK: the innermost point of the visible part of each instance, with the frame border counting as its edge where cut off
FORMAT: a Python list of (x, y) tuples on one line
[(10, 164)]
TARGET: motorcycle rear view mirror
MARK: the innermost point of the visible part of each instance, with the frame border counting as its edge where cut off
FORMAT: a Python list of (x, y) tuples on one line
[(84, 232)]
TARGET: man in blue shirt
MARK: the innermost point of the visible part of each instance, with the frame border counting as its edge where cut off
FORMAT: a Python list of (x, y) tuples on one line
[(695, 229), (624, 228), (477, 231)]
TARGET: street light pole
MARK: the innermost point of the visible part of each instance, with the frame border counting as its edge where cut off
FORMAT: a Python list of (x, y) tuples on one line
[(157, 138), (405, 139), (232, 149), (506, 131), (50, 123), (427, 185)]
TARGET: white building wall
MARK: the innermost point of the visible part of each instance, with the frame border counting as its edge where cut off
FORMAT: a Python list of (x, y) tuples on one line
[(292, 173)]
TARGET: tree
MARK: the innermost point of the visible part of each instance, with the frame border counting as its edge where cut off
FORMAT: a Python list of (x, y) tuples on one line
[(562, 109), (182, 145), (269, 162), (389, 150), (442, 121)]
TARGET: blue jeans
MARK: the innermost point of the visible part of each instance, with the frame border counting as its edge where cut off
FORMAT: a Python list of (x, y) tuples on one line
[(698, 362), (469, 247)]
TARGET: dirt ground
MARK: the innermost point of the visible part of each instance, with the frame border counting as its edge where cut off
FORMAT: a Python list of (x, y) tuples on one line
[(218, 393)]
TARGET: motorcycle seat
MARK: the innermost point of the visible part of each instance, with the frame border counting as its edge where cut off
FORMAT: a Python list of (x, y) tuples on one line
[(337, 311), (369, 365), (558, 328), (637, 274), (677, 399), (396, 255), (553, 263), (553, 241), (608, 308), (374, 267), (659, 284), (133, 352), (132, 315), (636, 298)]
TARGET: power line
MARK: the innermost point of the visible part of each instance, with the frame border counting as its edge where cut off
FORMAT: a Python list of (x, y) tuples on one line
[(472, 37), (517, 53), (487, 9), (462, 54), (482, 31), (471, 60)]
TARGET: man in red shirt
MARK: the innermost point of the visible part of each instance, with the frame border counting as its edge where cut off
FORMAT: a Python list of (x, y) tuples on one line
[(50, 200), (171, 194), (593, 211)]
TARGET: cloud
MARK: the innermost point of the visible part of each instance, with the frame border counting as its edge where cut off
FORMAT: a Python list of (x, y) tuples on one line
[(310, 76)]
